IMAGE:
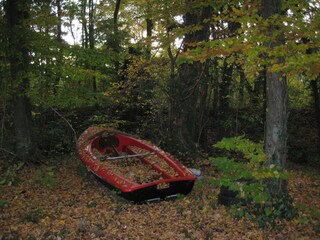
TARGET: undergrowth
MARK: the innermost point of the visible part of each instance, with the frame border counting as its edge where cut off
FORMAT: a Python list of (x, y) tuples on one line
[(244, 174)]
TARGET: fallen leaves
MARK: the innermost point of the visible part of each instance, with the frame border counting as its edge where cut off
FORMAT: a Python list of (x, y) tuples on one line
[(82, 208)]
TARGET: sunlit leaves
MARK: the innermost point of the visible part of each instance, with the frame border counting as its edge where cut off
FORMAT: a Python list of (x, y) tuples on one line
[(252, 38), (245, 172)]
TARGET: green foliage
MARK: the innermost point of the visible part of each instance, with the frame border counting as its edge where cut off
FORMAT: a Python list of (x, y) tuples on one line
[(45, 176), (274, 209), (243, 172), (55, 135), (307, 215), (30, 237), (57, 234), (299, 93), (248, 166), (3, 202), (134, 100), (248, 45), (82, 171), (138, 96), (34, 215), (10, 175)]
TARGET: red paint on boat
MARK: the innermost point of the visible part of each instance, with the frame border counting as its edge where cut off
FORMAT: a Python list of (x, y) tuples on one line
[(90, 140)]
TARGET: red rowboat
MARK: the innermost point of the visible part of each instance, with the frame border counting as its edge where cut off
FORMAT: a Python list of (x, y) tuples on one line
[(140, 170)]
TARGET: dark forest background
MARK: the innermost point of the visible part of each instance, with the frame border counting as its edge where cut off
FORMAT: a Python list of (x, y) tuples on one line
[(187, 75), (182, 74)]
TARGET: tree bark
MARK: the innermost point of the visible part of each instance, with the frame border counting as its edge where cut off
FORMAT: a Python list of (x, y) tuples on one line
[(225, 86), (91, 40), (188, 84), (316, 106), (60, 46), (149, 35), (277, 110), (84, 24), (149, 31), (202, 121), (115, 42), (315, 93), (17, 12)]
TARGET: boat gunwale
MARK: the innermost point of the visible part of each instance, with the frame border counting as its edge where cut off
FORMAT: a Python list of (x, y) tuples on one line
[(99, 169)]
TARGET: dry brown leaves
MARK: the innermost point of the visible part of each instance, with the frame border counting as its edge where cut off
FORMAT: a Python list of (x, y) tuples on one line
[(134, 169), (82, 208)]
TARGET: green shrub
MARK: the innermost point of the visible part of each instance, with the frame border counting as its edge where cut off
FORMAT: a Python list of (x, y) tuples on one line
[(46, 177), (3, 203), (10, 175), (34, 215), (243, 172)]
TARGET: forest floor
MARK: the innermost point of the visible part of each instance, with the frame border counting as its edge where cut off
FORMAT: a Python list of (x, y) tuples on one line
[(63, 201)]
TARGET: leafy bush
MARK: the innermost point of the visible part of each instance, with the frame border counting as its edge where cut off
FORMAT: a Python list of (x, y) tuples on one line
[(54, 135), (10, 175), (46, 177), (244, 173), (3, 202), (34, 215)]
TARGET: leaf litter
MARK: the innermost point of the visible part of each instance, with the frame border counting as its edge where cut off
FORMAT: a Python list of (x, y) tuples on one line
[(80, 207)]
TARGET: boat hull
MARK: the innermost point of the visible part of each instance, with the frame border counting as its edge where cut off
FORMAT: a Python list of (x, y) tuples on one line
[(136, 168)]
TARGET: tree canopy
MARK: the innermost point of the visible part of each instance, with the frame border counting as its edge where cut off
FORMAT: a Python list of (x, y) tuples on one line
[(183, 74)]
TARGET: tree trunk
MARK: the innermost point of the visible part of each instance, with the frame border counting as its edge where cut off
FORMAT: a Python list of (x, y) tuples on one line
[(225, 88), (172, 102), (60, 46), (115, 41), (316, 106), (188, 84), (202, 121), (84, 24), (91, 40), (223, 112), (277, 111), (17, 11), (149, 31), (315, 93), (149, 35)]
